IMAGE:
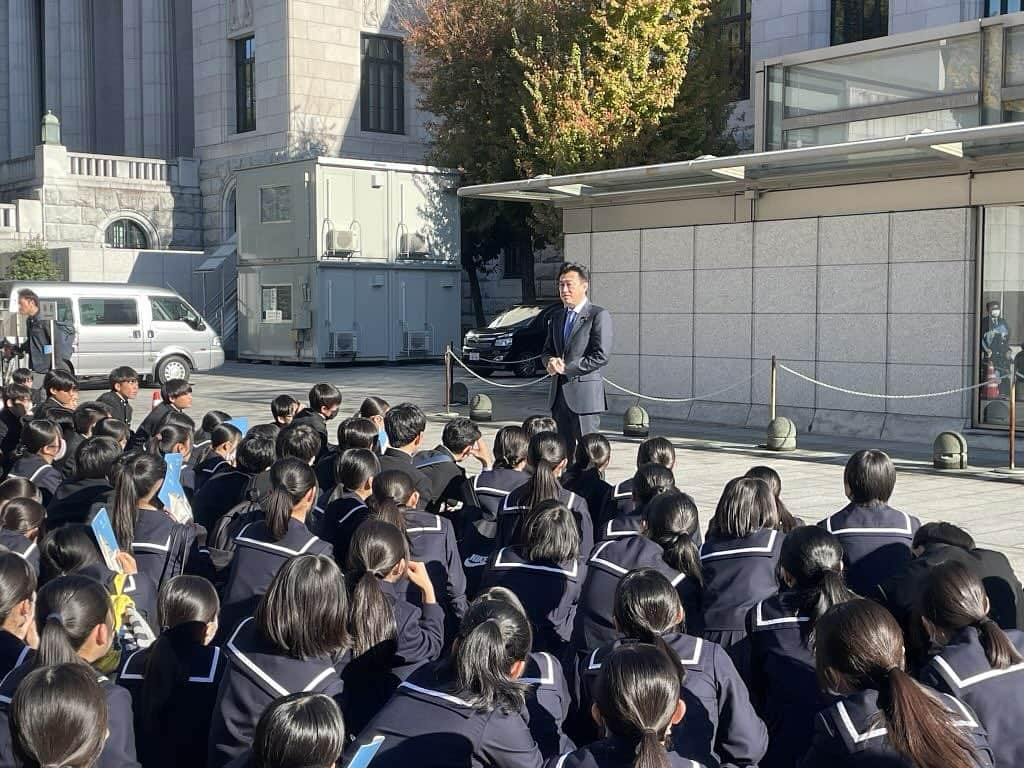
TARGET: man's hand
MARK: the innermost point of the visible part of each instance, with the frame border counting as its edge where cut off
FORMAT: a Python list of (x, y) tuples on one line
[(550, 367), (559, 365), (482, 453)]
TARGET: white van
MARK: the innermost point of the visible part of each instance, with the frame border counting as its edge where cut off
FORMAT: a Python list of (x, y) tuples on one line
[(153, 330)]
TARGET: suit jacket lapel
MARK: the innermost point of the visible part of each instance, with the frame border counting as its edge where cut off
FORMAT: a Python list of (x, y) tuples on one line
[(581, 316), (558, 322)]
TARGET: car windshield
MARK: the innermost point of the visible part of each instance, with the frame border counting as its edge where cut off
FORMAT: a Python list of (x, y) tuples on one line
[(514, 316)]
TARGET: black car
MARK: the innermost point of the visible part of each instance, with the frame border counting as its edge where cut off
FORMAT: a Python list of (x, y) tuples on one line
[(512, 342)]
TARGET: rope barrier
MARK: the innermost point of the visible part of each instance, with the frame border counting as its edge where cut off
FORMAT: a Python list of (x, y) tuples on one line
[(476, 375), (735, 385), (876, 396)]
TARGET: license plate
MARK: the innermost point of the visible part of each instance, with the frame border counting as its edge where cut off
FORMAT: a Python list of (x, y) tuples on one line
[(473, 356)]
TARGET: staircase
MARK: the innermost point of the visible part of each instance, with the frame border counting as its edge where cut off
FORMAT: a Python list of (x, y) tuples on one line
[(222, 312)]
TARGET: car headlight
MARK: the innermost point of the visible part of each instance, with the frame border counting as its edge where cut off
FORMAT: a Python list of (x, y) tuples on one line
[(504, 341)]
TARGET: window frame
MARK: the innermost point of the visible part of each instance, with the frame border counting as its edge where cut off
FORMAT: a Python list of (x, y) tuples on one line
[(128, 300), (395, 67), (291, 303), (275, 189), (1004, 7), (245, 83), (191, 314), (129, 228), (739, 65), (880, 21)]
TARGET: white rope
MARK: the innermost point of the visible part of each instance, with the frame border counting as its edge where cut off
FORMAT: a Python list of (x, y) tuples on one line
[(641, 396), (476, 375), (857, 393)]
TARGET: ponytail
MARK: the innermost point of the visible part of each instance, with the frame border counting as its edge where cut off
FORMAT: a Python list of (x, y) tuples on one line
[(167, 437), (140, 475), (17, 583), (593, 451), (290, 479), (376, 548), (510, 447), (672, 520), (387, 511), (813, 559), (647, 606), (920, 727), (68, 609), (546, 451), (492, 638)]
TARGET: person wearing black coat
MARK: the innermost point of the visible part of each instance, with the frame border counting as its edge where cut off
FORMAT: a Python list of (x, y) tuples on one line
[(120, 407), (18, 581), (450, 490), (15, 413), (405, 425), (41, 446), (74, 500), (324, 402), (248, 481), (177, 396)]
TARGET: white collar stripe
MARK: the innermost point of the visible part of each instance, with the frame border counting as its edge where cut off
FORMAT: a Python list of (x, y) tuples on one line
[(857, 737), (974, 679), (351, 512), (436, 527), (436, 694), (276, 547), (761, 621), (531, 567), (252, 667), (906, 530), (614, 566), (743, 550), (213, 669), (547, 675)]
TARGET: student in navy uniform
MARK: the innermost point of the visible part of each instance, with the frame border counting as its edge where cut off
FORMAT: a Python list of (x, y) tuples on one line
[(85, 417), (223, 445), (256, 454), (15, 414), (172, 438), (405, 424), (355, 469), (535, 424), (883, 718), (115, 429), (201, 442), (781, 673), (545, 572), (936, 543), (585, 477), (262, 547), (390, 635), (21, 527), (176, 396), (721, 724), (653, 450), (301, 730), (546, 459), (375, 409), (449, 487), (667, 546), (283, 409), (61, 388), (75, 498), (124, 387), (174, 682), (296, 641), (638, 706), (324, 402), (352, 433), (739, 558), (300, 441), (162, 547), (490, 487), (431, 542), (17, 620), (76, 626), (974, 659), (875, 537), (649, 481), (41, 445), (786, 520), (465, 710)]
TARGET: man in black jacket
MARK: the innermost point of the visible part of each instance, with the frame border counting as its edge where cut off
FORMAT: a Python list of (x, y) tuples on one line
[(42, 354), (324, 402), (124, 386), (177, 396), (405, 425), (460, 439)]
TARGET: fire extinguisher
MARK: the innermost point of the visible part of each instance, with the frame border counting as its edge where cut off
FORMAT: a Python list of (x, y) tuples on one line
[(991, 389)]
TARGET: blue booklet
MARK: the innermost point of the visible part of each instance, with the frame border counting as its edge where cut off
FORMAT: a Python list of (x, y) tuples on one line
[(241, 423), (172, 493), (104, 533), (365, 753)]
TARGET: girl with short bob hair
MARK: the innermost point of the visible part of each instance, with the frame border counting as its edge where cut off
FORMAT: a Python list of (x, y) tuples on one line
[(648, 610), (883, 716), (786, 520), (477, 690), (59, 718), (298, 642), (876, 537), (544, 570), (174, 682), (17, 611), (653, 450), (739, 557), (374, 409), (781, 631), (41, 445), (974, 659), (22, 521), (301, 730)]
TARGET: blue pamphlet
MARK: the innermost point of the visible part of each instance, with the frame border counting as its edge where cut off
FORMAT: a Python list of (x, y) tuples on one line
[(105, 537), (241, 423), (172, 480), (366, 753)]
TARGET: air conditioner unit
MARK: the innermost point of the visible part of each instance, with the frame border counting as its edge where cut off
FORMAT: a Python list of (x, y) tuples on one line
[(344, 241), (344, 343), (412, 246), (417, 343)]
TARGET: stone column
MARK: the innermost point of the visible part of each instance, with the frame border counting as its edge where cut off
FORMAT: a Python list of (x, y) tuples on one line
[(24, 110), (75, 74), (132, 57), (157, 78)]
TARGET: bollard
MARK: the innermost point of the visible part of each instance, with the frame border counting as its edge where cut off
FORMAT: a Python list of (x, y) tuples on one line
[(481, 408), (459, 394), (781, 435), (949, 451), (636, 422)]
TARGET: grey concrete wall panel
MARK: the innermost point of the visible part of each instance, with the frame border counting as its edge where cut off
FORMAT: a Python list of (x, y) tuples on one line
[(666, 376), (785, 290), (862, 377), (854, 289), (711, 374), (668, 292), (928, 287), (852, 338), (667, 248), (862, 239), (669, 335), (615, 251), (791, 243), (722, 290), (850, 423), (791, 390), (724, 245), (789, 337), (721, 336), (927, 339), (618, 292), (626, 336), (910, 379), (930, 235), (577, 249)]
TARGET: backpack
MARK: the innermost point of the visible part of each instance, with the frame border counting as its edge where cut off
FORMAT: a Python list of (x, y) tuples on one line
[(221, 543), (63, 341)]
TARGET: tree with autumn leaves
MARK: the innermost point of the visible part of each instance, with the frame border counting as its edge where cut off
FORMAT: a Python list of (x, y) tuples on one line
[(519, 88)]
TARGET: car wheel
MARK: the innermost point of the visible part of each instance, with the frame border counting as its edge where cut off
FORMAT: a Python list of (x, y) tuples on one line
[(173, 367), (527, 369)]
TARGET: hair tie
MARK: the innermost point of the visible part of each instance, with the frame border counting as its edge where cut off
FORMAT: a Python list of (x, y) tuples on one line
[(646, 731), (57, 616), (983, 621), (890, 670)]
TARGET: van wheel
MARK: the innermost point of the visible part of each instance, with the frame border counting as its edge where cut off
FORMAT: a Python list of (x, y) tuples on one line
[(173, 367)]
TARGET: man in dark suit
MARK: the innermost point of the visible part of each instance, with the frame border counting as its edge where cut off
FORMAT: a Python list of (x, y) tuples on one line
[(576, 350)]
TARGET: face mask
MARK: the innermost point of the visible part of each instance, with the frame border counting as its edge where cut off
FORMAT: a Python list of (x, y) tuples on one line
[(382, 440)]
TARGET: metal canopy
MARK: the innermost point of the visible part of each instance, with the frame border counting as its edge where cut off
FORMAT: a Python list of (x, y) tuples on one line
[(937, 152)]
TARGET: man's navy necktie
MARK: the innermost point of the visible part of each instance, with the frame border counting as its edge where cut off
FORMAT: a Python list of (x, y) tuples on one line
[(570, 318)]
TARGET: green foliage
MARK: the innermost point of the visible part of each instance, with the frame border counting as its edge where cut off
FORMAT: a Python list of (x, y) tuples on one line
[(33, 263)]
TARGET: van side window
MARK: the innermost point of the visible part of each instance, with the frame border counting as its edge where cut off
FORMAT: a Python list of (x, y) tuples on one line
[(171, 309), (108, 311)]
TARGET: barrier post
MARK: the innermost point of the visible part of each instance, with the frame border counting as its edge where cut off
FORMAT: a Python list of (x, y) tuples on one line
[(448, 377), (772, 389), (1013, 416)]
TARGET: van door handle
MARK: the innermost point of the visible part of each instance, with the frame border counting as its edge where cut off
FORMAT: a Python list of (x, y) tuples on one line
[(136, 334), (150, 334)]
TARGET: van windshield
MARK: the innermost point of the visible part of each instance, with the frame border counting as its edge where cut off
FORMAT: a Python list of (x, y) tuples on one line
[(171, 309)]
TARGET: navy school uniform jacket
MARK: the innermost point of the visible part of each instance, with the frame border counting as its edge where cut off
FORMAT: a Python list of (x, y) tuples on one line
[(13, 653), (324, 469), (258, 558), (849, 734), (182, 735), (419, 635), (46, 477), (479, 533), (211, 466), (610, 561), (720, 726), (163, 548), (876, 540), (73, 501), (339, 521), (428, 725), (633, 525), (516, 507), (448, 483), (620, 501), (432, 542), (548, 703), (492, 486), (996, 695), (738, 573), (22, 546), (781, 678), (592, 487), (402, 461), (549, 593), (613, 753), (257, 674), (219, 494), (119, 749)]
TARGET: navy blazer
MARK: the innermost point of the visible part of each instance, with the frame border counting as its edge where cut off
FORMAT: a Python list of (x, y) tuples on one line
[(738, 573), (182, 734), (593, 488), (516, 507), (876, 541), (492, 486), (46, 476), (21, 545), (428, 724), (610, 561), (219, 494), (848, 734), (432, 542), (549, 593), (401, 461), (210, 467), (996, 695), (73, 501), (257, 674), (613, 753), (13, 653), (720, 725), (782, 680), (585, 352)]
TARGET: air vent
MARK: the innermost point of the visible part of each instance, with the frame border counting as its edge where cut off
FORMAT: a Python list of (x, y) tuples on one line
[(417, 343), (344, 343)]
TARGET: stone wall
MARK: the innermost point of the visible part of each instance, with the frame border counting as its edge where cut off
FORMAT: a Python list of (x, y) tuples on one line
[(881, 303)]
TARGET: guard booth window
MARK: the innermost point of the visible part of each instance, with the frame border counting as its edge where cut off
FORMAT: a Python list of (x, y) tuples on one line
[(277, 304)]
